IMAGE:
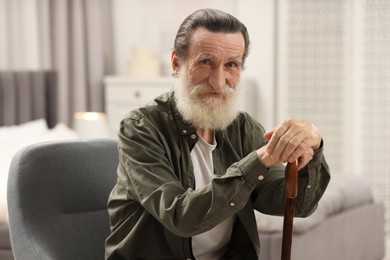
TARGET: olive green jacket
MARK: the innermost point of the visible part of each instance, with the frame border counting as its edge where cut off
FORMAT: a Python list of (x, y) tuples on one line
[(154, 210)]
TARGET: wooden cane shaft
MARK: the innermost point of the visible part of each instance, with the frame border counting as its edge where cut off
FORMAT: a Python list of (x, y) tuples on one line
[(287, 229), (291, 193)]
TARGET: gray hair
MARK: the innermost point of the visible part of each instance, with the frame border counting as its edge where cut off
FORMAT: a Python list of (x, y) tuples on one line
[(212, 20)]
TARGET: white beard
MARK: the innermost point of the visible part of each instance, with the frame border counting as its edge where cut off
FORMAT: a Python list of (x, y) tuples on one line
[(205, 112)]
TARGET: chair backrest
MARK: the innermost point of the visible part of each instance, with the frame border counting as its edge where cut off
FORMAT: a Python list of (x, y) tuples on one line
[(57, 199)]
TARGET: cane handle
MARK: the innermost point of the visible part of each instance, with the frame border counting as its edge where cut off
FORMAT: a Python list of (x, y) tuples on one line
[(292, 180)]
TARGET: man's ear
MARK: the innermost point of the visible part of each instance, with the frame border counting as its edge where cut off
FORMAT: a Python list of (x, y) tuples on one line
[(175, 63)]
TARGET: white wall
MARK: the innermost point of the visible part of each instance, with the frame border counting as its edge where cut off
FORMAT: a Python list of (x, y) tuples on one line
[(258, 16), (155, 23)]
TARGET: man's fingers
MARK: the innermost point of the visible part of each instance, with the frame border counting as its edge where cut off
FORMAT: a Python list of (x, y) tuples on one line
[(296, 146), (267, 136), (279, 132), (305, 159), (287, 144), (292, 140)]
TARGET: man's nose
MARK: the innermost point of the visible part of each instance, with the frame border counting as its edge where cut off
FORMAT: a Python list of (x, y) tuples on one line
[(217, 78)]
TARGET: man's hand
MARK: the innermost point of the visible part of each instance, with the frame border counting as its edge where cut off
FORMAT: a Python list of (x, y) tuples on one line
[(294, 139)]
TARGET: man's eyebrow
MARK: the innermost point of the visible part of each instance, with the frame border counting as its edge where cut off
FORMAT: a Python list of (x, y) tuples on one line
[(209, 56), (205, 56), (237, 59)]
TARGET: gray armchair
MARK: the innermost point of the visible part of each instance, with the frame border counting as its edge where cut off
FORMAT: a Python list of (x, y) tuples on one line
[(57, 199)]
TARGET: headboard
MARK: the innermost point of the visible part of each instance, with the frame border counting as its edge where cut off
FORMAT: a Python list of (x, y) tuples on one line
[(28, 95)]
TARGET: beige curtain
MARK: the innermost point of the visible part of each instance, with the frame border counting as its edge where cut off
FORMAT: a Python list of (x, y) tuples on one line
[(70, 36)]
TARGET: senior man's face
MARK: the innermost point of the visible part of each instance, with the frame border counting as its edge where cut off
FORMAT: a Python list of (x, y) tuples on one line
[(207, 86)]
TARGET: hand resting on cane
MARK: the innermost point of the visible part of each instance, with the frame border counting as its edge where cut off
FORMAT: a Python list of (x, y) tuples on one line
[(294, 139)]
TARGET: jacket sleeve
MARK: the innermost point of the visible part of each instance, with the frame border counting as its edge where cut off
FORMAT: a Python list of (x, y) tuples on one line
[(312, 182), (269, 195)]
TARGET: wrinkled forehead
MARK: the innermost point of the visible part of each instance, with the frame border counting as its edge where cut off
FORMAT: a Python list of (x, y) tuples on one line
[(216, 43)]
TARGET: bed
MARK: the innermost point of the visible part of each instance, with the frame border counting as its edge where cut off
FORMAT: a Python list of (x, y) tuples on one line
[(348, 224), (28, 114)]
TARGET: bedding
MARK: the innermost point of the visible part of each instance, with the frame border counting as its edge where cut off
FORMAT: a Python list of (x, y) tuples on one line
[(12, 138), (344, 192)]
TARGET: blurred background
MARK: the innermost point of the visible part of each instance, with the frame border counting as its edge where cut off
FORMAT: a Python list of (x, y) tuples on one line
[(327, 61)]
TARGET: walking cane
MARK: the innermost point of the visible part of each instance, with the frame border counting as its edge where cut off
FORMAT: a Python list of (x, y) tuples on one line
[(291, 193)]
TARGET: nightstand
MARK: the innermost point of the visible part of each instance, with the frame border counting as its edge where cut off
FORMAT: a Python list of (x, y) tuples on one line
[(123, 94)]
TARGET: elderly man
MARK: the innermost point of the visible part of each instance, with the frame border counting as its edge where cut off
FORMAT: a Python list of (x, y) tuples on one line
[(193, 168)]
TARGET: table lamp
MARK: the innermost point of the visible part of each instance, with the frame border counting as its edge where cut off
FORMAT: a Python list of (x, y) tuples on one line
[(91, 125)]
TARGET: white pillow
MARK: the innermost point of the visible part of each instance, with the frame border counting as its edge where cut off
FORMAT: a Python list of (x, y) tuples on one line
[(59, 132), (23, 131)]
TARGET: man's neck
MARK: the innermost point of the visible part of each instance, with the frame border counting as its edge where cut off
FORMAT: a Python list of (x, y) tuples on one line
[(206, 134)]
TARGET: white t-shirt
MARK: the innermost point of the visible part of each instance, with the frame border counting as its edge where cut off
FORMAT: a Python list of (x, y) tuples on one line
[(210, 244)]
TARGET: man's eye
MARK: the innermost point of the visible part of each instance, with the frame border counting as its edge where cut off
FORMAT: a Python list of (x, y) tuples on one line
[(205, 62), (232, 65)]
